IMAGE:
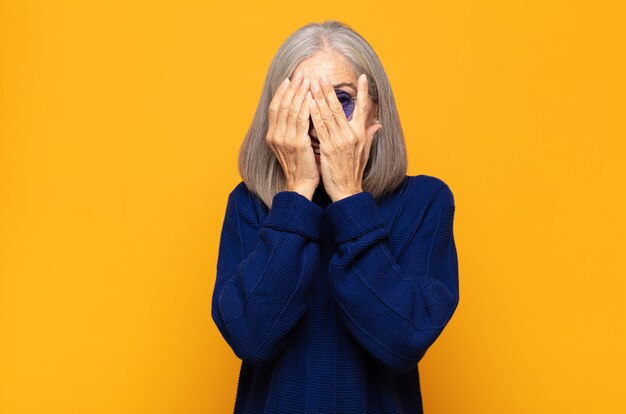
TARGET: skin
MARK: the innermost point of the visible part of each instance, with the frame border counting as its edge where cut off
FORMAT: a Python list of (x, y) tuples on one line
[(305, 112)]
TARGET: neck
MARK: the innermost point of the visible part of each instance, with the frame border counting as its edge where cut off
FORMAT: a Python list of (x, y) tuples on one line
[(319, 196)]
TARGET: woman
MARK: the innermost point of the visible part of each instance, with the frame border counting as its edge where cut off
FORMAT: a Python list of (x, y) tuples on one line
[(336, 270)]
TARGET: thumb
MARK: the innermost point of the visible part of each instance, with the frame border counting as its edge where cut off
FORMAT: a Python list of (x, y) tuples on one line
[(373, 129)]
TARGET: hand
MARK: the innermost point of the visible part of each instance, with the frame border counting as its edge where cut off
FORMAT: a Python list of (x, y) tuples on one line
[(288, 135), (344, 145)]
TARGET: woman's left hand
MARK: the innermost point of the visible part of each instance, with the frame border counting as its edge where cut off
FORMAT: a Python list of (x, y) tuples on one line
[(344, 145)]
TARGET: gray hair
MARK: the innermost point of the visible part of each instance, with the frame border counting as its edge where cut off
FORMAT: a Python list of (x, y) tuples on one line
[(387, 164)]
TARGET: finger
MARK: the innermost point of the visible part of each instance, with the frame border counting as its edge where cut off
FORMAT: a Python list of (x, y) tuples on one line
[(285, 106), (324, 112), (371, 135), (333, 103), (274, 107), (318, 123), (302, 128), (362, 101), (296, 108)]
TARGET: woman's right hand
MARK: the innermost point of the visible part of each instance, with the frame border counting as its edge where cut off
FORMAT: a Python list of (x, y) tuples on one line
[(288, 135)]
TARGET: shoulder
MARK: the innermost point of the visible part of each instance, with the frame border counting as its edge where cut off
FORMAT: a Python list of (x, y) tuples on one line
[(245, 201), (240, 192), (243, 194), (430, 189)]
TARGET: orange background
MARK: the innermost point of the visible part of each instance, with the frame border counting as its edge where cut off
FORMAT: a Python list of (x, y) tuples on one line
[(120, 123)]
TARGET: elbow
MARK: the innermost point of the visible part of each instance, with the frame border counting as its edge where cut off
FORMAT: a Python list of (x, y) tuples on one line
[(247, 348), (404, 355), (400, 355), (394, 364), (257, 358), (398, 368)]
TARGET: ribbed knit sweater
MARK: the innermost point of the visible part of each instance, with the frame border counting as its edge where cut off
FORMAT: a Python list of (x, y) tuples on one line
[(331, 305)]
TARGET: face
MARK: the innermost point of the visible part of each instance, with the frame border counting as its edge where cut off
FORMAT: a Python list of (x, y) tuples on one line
[(340, 75)]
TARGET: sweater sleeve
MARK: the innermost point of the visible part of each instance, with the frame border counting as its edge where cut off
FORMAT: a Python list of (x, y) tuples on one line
[(394, 304), (262, 291)]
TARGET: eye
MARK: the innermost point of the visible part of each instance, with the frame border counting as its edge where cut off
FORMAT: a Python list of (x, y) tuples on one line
[(346, 100), (344, 97)]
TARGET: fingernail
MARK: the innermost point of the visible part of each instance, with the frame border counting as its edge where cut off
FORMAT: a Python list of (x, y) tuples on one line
[(316, 86), (298, 74)]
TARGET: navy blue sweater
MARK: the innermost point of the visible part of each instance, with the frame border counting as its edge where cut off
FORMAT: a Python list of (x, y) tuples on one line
[(330, 306)]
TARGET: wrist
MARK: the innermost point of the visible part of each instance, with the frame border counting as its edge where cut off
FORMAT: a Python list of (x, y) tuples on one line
[(338, 195), (306, 189)]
